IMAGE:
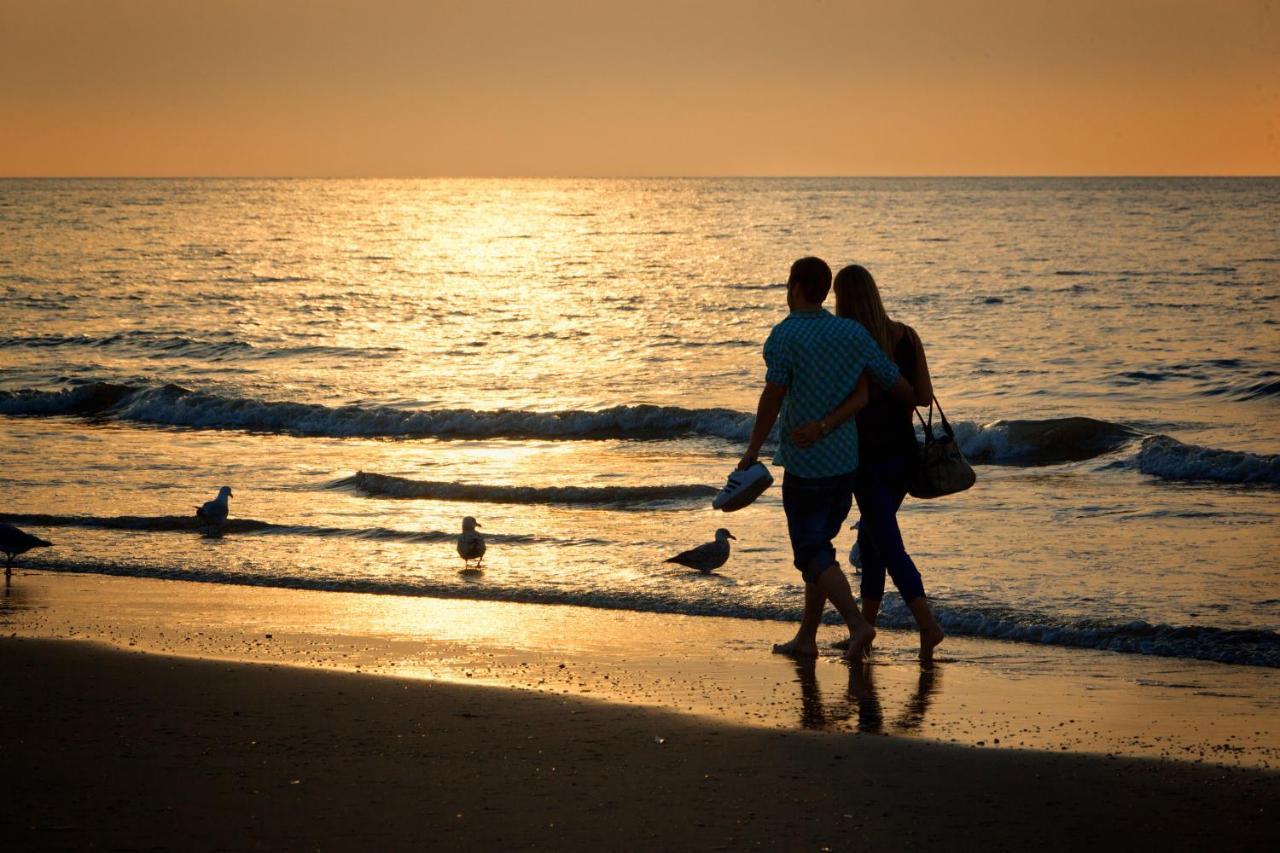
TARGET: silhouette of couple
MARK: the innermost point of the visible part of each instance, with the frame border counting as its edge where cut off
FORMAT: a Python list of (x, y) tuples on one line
[(843, 441)]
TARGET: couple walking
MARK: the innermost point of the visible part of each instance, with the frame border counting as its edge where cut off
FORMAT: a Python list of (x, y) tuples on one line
[(841, 441)]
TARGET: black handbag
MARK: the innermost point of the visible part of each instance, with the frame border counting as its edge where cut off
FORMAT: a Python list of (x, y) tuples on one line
[(940, 468)]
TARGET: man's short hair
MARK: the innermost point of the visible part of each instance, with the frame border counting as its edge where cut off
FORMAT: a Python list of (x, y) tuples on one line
[(814, 277)]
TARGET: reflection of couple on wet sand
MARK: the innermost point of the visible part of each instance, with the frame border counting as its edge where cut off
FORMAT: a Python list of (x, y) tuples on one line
[(841, 441), (862, 699)]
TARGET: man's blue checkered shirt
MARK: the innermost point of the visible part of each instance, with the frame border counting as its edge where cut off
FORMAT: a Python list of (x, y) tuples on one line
[(819, 357)]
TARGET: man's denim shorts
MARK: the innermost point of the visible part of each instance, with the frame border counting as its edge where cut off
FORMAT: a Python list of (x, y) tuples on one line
[(816, 508)]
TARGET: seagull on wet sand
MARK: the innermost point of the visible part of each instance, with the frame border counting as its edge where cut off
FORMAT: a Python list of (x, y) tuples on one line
[(470, 544), (709, 557), (14, 542), (215, 511)]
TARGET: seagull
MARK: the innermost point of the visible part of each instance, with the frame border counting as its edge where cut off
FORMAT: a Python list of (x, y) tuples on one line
[(709, 557), (470, 543), (215, 511), (855, 553), (14, 542)]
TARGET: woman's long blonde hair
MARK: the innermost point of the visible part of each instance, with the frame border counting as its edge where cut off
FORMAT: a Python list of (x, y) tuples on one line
[(858, 298)]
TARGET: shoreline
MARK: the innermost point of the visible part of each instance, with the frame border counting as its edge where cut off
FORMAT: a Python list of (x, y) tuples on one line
[(983, 694)]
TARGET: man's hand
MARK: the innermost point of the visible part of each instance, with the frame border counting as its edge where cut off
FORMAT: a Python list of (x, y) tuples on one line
[(748, 459)]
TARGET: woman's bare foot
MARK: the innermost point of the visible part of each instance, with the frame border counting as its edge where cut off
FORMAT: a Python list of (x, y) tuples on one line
[(859, 641), (931, 633), (843, 645), (797, 648), (930, 639)]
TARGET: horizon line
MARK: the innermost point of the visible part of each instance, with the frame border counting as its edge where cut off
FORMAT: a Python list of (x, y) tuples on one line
[(476, 177)]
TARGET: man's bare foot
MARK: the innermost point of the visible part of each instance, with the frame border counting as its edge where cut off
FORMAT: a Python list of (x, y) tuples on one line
[(797, 648), (859, 641), (930, 639)]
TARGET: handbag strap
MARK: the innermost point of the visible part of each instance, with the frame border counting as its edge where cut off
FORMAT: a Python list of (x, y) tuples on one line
[(929, 437), (946, 427), (928, 427)]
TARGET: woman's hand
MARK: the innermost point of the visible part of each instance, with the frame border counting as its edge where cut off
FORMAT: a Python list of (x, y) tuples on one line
[(809, 433)]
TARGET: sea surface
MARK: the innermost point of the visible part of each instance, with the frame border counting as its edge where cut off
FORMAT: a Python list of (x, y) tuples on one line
[(576, 363)]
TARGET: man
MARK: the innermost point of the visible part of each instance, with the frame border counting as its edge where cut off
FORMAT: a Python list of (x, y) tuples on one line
[(814, 361)]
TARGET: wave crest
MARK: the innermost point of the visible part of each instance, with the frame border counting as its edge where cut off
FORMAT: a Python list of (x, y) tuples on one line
[(1048, 441), (89, 399), (1042, 442), (173, 405), (1169, 459), (383, 485)]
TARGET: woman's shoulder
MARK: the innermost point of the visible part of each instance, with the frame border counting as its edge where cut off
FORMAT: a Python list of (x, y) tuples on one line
[(902, 330)]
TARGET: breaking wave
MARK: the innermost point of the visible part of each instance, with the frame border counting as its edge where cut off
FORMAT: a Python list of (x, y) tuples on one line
[(1251, 647), (382, 485), (1048, 441), (1041, 442), (1017, 442), (89, 399), (172, 405), (1169, 459)]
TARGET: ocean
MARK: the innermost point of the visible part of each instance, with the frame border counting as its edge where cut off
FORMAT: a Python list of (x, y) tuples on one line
[(576, 363)]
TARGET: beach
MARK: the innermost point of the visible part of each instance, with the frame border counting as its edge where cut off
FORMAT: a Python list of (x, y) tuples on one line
[(443, 426), (152, 714), (359, 365)]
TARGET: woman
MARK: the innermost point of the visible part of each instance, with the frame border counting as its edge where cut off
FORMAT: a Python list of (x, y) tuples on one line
[(887, 449)]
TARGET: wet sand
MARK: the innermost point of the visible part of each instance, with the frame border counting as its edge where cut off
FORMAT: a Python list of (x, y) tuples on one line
[(985, 694), (227, 735)]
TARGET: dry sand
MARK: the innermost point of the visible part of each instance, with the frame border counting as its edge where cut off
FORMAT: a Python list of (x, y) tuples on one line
[(107, 749)]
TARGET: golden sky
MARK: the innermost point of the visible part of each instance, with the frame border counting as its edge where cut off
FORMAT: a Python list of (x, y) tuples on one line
[(624, 87)]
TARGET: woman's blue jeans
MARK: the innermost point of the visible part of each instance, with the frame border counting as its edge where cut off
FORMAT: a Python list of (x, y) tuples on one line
[(879, 489)]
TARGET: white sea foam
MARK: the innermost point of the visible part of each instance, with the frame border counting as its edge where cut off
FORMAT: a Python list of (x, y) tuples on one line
[(172, 405), (251, 526), (779, 602), (1025, 442), (1170, 459)]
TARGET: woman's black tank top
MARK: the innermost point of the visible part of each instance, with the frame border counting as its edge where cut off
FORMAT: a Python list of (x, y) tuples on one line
[(885, 425)]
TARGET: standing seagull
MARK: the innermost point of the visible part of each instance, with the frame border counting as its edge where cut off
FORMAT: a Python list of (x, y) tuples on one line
[(470, 543), (709, 557), (14, 542), (215, 511)]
